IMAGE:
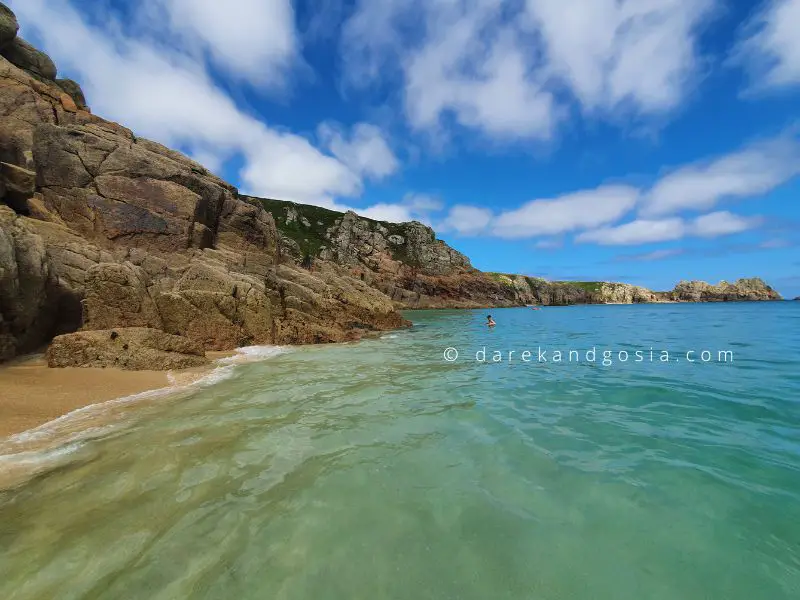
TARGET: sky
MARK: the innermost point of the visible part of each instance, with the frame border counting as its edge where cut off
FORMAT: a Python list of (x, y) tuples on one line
[(644, 141)]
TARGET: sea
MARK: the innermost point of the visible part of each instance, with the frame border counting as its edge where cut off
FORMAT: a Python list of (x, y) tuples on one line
[(587, 452)]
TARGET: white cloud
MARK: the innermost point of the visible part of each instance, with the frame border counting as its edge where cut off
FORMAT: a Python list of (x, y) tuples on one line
[(722, 223), (168, 96), (752, 171), (495, 65), (770, 47), (572, 212), (413, 207), (478, 74), (644, 231), (617, 52), (549, 244), (253, 39), (423, 203), (467, 220), (394, 213), (366, 151), (641, 231)]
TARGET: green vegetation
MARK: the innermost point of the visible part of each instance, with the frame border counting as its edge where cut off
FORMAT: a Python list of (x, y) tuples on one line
[(588, 286), (310, 238)]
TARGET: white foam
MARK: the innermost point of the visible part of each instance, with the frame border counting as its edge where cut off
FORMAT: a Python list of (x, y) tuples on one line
[(15, 445), (254, 354)]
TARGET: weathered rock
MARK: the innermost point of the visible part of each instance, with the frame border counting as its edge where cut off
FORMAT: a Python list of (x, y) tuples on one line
[(117, 294), (22, 54), (753, 289), (8, 26), (136, 348), (28, 294), (18, 186), (73, 89)]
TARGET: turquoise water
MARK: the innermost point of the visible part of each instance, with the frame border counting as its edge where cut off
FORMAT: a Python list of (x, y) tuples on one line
[(379, 470)]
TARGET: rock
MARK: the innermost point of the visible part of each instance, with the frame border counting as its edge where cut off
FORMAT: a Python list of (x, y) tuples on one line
[(22, 54), (28, 288), (753, 289), (116, 294), (8, 26), (135, 348), (73, 89), (19, 185), (68, 103)]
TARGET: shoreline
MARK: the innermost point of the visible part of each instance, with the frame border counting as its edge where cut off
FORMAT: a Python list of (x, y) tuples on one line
[(33, 394)]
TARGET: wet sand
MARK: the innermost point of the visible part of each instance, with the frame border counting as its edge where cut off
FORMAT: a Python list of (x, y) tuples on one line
[(32, 394)]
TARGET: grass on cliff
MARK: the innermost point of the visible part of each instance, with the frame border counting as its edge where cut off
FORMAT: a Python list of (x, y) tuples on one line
[(310, 238), (313, 237), (587, 286)]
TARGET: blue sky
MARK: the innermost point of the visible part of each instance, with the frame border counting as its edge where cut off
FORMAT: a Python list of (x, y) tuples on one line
[(644, 141)]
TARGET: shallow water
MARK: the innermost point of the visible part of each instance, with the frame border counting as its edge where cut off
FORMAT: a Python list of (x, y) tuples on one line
[(379, 470)]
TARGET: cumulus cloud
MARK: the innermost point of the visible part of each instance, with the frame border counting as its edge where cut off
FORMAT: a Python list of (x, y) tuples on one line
[(167, 95), (722, 223), (752, 171), (365, 150), (614, 52), (467, 220), (498, 66), (641, 231), (580, 210), (253, 39), (769, 48), (644, 231)]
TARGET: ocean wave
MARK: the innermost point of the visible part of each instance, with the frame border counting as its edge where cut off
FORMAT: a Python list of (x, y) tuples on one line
[(43, 446)]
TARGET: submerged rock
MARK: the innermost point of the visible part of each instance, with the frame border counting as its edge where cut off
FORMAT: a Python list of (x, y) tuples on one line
[(135, 348)]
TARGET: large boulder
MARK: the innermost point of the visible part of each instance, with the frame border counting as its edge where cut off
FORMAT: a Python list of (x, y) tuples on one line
[(26, 57), (8, 26), (134, 349)]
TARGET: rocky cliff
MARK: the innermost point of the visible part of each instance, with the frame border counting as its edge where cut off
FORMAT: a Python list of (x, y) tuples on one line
[(534, 290), (405, 261), (103, 230)]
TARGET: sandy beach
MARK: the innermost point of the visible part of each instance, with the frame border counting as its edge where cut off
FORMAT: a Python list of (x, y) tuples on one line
[(32, 394)]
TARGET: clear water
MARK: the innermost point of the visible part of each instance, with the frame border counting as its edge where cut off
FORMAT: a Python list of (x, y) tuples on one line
[(378, 470)]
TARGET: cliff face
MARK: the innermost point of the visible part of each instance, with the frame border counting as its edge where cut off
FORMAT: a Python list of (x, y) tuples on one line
[(404, 261), (103, 230), (741, 290), (534, 290)]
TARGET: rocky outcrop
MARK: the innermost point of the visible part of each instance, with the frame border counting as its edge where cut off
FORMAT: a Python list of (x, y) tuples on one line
[(20, 53), (74, 91), (753, 289), (130, 234), (8, 26), (133, 349), (28, 295)]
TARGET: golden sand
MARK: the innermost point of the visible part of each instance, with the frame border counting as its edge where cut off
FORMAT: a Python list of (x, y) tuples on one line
[(32, 394)]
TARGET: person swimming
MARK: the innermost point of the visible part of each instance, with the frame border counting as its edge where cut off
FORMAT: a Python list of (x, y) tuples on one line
[(490, 321)]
